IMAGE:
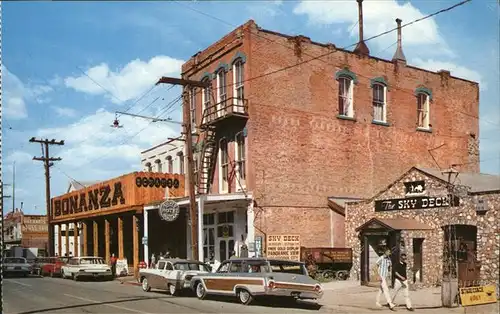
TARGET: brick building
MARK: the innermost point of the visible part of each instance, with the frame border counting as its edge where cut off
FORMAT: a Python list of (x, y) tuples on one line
[(28, 233), (290, 144)]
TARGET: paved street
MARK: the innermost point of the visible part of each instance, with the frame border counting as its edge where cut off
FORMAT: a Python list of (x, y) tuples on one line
[(54, 295)]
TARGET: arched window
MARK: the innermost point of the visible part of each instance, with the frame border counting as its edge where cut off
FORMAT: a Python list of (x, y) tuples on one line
[(170, 164), (181, 162), (424, 97), (240, 161), (158, 165), (239, 90), (148, 167), (221, 92), (346, 89), (206, 100), (223, 166), (379, 102)]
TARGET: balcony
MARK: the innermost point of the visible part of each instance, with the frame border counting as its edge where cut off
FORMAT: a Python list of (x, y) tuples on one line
[(231, 111)]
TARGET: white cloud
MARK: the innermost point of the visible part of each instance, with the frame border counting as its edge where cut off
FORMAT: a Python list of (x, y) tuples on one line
[(126, 83), (64, 111), (265, 9), (17, 94), (455, 69), (378, 17), (19, 157)]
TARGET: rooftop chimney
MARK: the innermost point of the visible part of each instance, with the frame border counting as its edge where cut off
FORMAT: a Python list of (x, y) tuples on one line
[(399, 55), (361, 47)]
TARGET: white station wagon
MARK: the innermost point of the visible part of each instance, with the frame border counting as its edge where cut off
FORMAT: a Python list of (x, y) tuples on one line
[(173, 275), (86, 267)]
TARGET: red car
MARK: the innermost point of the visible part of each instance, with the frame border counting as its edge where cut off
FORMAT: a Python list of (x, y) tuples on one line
[(51, 266)]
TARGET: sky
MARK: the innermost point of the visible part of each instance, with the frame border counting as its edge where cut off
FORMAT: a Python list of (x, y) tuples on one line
[(69, 66)]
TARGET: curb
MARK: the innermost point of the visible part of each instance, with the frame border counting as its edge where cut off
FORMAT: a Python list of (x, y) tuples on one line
[(132, 283)]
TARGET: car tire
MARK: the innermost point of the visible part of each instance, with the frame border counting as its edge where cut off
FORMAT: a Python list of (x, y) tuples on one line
[(245, 297), (172, 289), (63, 275), (200, 291), (145, 285), (51, 274), (74, 277)]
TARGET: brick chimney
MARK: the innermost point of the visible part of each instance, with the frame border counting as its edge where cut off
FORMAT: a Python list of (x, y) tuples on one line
[(361, 47), (399, 55)]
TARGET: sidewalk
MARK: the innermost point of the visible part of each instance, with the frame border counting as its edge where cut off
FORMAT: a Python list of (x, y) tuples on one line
[(129, 280), (350, 294)]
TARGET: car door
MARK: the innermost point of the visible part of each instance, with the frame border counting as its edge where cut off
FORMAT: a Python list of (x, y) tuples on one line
[(168, 275), (156, 281)]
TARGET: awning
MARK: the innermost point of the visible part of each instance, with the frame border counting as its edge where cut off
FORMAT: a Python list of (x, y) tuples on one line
[(394, 224), (210, 198)]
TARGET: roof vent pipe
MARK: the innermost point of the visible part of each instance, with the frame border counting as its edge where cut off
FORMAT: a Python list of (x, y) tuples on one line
[(361, 47), (399, 55)]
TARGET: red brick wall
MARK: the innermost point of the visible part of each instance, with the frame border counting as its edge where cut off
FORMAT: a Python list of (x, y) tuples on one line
[(299, 153)]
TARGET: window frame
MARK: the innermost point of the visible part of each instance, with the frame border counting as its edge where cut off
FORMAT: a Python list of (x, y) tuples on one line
[(206, 103), (181, 163), (350, 96), (240, 159), (149, 167), (221, 92), (158, 165), (377, 102), (425, 109), (170, 164), (223, 165), (239, 84), (195, 171)]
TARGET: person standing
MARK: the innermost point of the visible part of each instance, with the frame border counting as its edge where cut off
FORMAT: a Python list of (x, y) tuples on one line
[(382, 269), (402, 282), (112, 261), (153, 261)]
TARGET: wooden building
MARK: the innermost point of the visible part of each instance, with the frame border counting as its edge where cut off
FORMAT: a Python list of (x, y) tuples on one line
[(106, 217)]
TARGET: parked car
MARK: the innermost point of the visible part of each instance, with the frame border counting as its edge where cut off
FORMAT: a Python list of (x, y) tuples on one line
[(16, 266), (173, 275), (250, 278), (51, 266), (86, 267)]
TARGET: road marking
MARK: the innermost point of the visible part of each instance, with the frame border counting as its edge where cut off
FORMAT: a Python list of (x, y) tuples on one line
[(101, 303), (18, 282)]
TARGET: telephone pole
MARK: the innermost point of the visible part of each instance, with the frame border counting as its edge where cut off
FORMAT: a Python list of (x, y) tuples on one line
[(47, 162), (193, 212)]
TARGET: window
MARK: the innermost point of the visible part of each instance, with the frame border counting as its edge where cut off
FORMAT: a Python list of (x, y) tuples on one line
[(169, 266), (423, 111), (206, 97), (379, 103), (161, 265), (148, 167), (236, 267), (345, 97), (221, 92), (192, 103), (239, 91), (209, 237), (170, 164), (195, 172), (158, 165), (240, 161), (224, 166), (223, 268)]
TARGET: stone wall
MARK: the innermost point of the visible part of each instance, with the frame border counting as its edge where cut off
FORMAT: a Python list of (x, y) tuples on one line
[(488, 239)]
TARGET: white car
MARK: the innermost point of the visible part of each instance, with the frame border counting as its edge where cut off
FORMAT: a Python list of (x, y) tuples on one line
[(16, 266), (173, 275), (86, 267)]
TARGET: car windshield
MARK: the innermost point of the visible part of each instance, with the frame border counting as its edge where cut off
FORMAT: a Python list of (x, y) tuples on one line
[(191, 266), (287, 267), (14, 260), (90, 260)]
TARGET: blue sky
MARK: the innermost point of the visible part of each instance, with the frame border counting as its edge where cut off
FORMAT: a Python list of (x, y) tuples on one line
[(68, 66)]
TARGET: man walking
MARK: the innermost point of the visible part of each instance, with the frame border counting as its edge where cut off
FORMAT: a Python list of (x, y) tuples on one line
[(383, 269), (402, 282), (113, 261)]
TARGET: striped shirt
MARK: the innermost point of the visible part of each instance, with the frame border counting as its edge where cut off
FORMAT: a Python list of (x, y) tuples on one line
[(384, 263)]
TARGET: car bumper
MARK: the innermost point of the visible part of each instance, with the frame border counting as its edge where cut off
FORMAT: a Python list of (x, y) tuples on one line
[(94, 274), (16, 271), (299, 294)]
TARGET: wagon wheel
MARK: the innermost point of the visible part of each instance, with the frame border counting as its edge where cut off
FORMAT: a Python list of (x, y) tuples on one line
[(328, 275), (342, 275)]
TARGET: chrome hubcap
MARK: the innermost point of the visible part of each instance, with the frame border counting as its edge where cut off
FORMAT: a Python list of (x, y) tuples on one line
[(145, 284), (244, 295), (172, 289), (199, 290)]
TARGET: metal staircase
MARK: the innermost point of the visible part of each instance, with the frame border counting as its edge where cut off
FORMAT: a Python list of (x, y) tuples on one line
[(207, 160)]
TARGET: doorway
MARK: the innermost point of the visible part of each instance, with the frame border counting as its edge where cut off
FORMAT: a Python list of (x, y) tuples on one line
[(418, 275)]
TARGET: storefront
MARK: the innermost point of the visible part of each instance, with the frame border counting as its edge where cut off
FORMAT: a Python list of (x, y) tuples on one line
[(226, 226), (106, 217), (446, 230)]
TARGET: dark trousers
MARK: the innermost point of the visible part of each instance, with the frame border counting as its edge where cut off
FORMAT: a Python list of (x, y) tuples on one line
[(113, 270)]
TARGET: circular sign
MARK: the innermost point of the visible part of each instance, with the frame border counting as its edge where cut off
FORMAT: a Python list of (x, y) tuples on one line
[(169, 210)]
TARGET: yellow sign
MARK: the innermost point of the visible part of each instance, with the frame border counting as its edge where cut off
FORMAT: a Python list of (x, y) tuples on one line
[(285, 247), (478, 295)]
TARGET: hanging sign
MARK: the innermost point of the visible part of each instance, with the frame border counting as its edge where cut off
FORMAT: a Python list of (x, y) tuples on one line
[(169, 210), (423, 202)]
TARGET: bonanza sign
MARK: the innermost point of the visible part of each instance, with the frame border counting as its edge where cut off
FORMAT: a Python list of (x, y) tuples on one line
[(286, 247)]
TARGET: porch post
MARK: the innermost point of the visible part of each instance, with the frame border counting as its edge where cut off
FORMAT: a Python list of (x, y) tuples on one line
[(135, 240), (59, 240), (85, 238), (250, 228), (106, 239), (95, 238), (145, 246), (201, 206), (120, 237), (66, 248), (75, 239)]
